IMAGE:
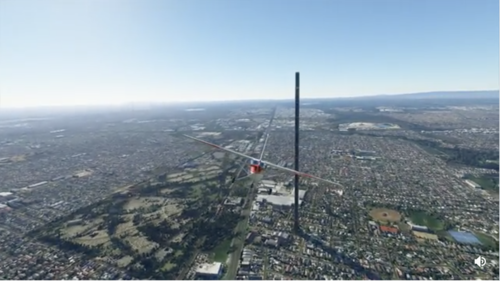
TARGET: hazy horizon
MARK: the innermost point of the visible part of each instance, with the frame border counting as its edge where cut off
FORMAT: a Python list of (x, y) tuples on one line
[(88, 52), (210, 102)]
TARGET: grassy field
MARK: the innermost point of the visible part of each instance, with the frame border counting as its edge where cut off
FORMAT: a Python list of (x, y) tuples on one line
[(404, 227), (422, 218), (221, 251), (122, 226), (93, 231), (489, 184), (167, 266), (385, 215), (124, 261), (486, 240), (196, 191)]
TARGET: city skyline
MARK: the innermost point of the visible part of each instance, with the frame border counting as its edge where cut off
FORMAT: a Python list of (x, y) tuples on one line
[(94, 52)]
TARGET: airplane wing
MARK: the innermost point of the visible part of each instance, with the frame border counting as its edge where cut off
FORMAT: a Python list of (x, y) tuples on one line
[(220, 147), (302, 174)]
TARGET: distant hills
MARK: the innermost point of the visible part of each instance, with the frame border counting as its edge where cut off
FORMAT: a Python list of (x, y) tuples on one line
[(493, 94)]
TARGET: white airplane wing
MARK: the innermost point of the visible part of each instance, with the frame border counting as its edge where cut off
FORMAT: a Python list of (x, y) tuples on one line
[(220, 147), (266, 163), (302, 174)]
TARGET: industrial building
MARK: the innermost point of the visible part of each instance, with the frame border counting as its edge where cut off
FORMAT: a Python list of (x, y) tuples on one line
[(280, 200), (234, 201), (209, 271), (268, 184), (419, 228), (246, 258), (472, 184), (250, 237), (282, 237), (388, 229), (37, 184)]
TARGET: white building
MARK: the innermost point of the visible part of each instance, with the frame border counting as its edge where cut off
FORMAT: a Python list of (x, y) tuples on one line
[(209, 271), (417, 227), (281, 200), (472, 184), (37, 184)]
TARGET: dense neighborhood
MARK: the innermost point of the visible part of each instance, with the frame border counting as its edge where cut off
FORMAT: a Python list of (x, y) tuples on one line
[(411, 208)]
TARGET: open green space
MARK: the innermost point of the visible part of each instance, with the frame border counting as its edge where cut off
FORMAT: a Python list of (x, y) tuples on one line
[(168, 266), (486, 183), (222, 250), (445, 235), (196, 191), (403, 227), (422, 218), (486, 240)]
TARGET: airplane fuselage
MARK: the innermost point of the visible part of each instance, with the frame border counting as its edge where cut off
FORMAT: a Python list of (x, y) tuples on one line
[(256, 171), (256, 166)]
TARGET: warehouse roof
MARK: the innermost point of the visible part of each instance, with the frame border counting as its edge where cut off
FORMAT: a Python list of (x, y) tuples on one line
[(209, 268), (277, 199)]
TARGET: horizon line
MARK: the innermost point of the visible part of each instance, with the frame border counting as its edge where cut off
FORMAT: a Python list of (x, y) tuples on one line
[(162, 102)]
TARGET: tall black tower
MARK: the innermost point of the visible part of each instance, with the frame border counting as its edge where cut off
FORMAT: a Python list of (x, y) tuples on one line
[(297, 106)]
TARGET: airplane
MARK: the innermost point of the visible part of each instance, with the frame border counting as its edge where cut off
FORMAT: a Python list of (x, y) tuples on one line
[(258, 166)]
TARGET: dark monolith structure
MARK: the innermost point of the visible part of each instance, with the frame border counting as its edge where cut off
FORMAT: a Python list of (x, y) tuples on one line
[(297, 106)]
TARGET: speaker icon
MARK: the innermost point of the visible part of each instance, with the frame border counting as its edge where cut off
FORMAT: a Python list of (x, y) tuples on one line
[(480, 261)]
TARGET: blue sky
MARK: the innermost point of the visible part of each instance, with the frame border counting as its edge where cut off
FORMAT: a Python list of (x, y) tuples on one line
[(111, 51)]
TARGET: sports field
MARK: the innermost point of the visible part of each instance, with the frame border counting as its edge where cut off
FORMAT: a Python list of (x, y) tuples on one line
[(385, 215)]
